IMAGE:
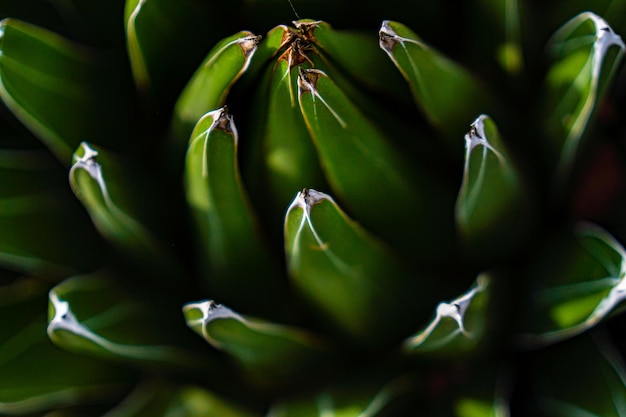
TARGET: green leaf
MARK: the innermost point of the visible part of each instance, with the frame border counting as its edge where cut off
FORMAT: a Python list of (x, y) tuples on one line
[(35, 202), (115, 195), (492, 209), (359, 399), (161, 398), (271, 354), (227, 228), (448, 95), (349, 277), (208, 87), (161, 60), (95, 316), (459, 326), (356, 53), (486, 392), (598, 387), (577, 283), (586, 54), (36, 375), (376, 182), (288, 159), (48, 81)]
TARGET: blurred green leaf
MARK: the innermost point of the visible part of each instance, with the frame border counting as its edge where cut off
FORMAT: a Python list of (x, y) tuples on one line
[(493, 211), (577, 283), (585, 377), (35, 202), (360, 399), (586, 54), (227, 229), (47, 81), (161, 398)]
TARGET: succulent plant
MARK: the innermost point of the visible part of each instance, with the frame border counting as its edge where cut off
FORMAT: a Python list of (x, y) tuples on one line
[(206, 210)]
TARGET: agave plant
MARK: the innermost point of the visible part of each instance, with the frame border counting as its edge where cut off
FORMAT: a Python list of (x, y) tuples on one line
[(213, 209)]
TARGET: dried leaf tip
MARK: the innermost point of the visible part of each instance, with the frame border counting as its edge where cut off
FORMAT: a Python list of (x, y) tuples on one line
[(307, 198), (88, 162), (249, 44), (477, 136), (210, 310), (307, 80), (223, 120), (387, 37), (306, 28)]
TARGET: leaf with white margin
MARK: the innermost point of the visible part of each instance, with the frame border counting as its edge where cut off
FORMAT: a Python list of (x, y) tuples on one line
[(348, 277), (209, 86), (587, 54), (577, 283), (37, 376), (458, 325), (492, 208), (449, 95), (390, 195), (93, 315), (269, 353), (112, 195), (226, 225)]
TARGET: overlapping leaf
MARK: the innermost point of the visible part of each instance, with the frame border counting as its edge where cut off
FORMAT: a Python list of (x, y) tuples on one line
[(208, 87), (448, 94), (385, 192)]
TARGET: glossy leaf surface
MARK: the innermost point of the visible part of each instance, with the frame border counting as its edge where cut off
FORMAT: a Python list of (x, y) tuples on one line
[(227, 227), (347, 275)]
